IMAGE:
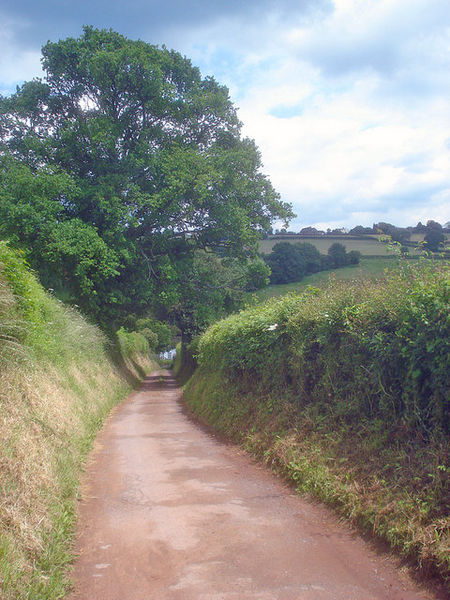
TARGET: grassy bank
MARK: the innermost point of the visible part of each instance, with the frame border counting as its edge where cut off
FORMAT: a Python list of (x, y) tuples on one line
[(345, 392), (59, 378)]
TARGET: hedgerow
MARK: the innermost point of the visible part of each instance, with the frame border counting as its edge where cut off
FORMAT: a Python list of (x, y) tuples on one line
[(344, 391), (373, 349)]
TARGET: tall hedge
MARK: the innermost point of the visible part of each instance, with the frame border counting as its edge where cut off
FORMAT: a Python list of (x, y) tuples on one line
[(375, 350)]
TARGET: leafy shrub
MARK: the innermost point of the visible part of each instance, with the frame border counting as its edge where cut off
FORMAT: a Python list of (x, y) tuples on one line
[(291, 262), (132, 342), (162, 330), (151, 337)]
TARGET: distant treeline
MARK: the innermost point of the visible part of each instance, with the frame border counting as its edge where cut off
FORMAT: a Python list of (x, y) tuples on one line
[(434, 232)]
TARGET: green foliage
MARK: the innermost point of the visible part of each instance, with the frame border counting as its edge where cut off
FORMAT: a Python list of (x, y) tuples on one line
[(159, 334), (339, 258), (434, 238), (43, 325), (396, 234), (257, 275), (119, 166), (381, 347), (291, 262), (360, 230), (185, 361), (337, 254), (68, 253), (286, 263), (344, 391), (210, 288), (132, 342)]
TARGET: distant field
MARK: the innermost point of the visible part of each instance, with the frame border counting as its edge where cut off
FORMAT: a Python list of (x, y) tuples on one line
[(368, 247), (419, 237), (368, 268)]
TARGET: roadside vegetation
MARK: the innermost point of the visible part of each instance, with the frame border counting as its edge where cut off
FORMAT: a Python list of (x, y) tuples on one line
[(59, 378), (344, 391)]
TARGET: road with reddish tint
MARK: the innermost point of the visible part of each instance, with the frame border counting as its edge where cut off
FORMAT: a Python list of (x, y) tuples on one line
[(169, 512)]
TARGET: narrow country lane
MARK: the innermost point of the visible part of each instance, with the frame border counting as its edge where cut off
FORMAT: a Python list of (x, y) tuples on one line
[(171, 513)]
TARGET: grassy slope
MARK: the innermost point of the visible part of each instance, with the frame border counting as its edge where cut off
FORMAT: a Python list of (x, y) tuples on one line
[(368, 268), (333, 421), (57, 384)]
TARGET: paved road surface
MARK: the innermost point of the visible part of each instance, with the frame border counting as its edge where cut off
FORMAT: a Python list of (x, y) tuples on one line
[(171, 513)]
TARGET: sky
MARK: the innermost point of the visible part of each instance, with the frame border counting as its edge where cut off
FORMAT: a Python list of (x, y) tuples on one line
[(347, 100)]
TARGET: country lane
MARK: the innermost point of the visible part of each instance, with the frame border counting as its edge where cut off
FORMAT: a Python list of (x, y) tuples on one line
[(169, 512)]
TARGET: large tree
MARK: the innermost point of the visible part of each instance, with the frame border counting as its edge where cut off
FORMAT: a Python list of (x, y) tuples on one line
[(287, 263), (149, 164), (434, 238)]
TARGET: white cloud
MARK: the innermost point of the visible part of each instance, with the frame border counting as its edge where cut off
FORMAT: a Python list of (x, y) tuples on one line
[(16, 63), (364, 91)]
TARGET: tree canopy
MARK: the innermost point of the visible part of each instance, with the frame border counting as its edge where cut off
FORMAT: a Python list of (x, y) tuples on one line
[(290, 262), (119, 165), (434, 238)]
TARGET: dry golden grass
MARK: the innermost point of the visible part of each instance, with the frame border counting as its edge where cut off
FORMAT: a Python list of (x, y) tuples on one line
[(44, 415), (58, 382)]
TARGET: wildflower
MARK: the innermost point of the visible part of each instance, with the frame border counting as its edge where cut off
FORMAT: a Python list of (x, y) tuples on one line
[(272, 327)]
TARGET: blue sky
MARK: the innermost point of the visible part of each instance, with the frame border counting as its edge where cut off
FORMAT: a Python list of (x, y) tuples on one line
[(348, 100)]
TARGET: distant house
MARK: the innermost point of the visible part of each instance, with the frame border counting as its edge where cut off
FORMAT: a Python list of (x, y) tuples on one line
[(338, 231)]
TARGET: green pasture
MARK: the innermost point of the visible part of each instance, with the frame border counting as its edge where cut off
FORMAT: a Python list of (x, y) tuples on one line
[(419, 237), (368, 268)]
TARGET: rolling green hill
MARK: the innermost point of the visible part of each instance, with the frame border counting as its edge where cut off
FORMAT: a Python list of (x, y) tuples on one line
[(369, 268), (368, 246)]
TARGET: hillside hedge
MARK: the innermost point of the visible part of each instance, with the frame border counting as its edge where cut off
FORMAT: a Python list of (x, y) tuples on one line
[(345, 391), (373, 350)]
